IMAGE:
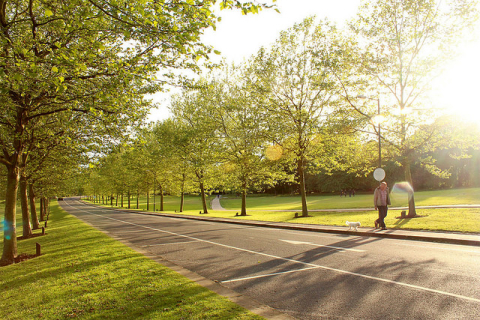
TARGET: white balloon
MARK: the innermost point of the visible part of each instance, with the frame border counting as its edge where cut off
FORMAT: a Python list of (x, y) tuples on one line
[(379, 174)]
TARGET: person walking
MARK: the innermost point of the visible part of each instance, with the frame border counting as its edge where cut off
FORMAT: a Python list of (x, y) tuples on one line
[(381, 200)]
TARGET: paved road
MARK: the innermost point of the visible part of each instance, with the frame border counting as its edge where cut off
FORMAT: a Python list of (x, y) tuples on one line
[(308, 275)]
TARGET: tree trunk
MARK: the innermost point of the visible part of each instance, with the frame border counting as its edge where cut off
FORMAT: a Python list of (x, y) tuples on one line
[(138, 196), (148, 200), (182, 196), (27, 227), (204, 199), (121, 202), (303, 193), (243, 211), (411, 200), (161, 198), (43, 207), (10, 227), (47, 207), (128, 199), (154, 199), (116, 201), (33, 208)]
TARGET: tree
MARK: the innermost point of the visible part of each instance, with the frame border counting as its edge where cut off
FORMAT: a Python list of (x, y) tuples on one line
[(92, 58), (402, 47), (242, 130), (194, 109), (301, 92)]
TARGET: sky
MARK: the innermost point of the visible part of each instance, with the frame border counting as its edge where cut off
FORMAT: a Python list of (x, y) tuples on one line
[(238, 37)]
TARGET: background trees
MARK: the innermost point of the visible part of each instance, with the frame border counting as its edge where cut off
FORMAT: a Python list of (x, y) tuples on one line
[(293, 101), (403, 45)]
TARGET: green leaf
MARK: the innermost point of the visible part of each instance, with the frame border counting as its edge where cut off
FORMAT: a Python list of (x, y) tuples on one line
[(54, 69), (48, 13)]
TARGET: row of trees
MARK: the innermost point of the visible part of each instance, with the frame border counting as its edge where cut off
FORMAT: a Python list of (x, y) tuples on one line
[(297, 106), (73, 75)]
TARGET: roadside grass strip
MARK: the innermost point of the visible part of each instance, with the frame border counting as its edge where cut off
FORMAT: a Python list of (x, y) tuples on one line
[(83, 273)]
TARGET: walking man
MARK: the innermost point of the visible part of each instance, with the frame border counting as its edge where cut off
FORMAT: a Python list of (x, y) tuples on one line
[(381, 200)]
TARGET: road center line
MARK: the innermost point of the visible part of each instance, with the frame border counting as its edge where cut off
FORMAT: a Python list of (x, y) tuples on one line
[(312, 265)]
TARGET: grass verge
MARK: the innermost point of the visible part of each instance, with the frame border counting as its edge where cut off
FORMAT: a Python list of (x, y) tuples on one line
[(399, 199), (83, 273), (452, 220)]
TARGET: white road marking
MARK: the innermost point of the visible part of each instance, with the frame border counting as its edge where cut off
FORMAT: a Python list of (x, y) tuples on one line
[(312, 265), (166, 244), (267, 275), (321, 245)]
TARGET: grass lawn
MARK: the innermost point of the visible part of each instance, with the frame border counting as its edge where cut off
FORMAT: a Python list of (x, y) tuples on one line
[(461, 220), (422, 198), (170, 203), (458, 220), (85, 274)]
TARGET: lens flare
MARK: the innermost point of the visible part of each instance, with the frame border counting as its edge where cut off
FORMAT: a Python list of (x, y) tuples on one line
[(402, 187), (274, 152)]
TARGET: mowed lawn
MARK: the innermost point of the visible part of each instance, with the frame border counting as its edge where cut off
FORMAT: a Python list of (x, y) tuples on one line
[(318, 202), (259, 206), (83, 273)]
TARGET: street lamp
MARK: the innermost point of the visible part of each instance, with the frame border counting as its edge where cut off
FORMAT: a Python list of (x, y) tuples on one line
[(377, 120)]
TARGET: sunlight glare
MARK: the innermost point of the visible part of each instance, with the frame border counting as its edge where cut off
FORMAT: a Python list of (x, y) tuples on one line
[(457, 89)]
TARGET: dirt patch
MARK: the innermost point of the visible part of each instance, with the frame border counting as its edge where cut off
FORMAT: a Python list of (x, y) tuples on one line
[(21, 257), (32, 236)]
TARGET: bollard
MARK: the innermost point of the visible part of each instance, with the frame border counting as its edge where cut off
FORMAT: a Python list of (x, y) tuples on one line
[(403, 214), (43, 231), (38, 249), (296, 214), (46, 224)]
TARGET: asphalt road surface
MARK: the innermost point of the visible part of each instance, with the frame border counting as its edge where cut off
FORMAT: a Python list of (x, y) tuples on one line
[(309, 275)]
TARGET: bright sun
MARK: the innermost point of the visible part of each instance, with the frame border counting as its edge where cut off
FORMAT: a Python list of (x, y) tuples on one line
[(458, 90)]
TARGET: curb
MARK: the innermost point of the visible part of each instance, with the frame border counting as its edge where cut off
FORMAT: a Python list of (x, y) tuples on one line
[(425, 236)]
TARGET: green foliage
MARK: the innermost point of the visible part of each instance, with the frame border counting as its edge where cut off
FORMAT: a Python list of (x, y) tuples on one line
[(402, 47)]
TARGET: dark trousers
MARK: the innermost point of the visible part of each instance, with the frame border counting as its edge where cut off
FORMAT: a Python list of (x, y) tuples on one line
[(382, 213)]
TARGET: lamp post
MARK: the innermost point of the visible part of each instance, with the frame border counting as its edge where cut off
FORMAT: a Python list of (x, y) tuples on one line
[(377, 120)]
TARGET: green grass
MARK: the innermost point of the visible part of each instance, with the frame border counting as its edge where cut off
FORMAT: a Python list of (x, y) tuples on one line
[(422, 198), (461, 220), (85, 274), (170, 203), (457, 220)]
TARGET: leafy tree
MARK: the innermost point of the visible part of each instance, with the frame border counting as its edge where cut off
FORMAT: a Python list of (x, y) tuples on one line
[(242, 131), (402, 47), (92, 58), (194, 109), (301, 93), (172, 137)]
